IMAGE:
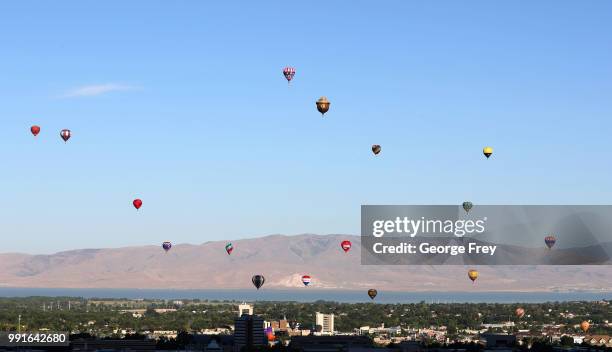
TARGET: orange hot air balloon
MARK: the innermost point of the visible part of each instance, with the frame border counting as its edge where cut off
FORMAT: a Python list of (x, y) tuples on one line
[(520, 312), (35, 130), (585, 326), (473, 275)]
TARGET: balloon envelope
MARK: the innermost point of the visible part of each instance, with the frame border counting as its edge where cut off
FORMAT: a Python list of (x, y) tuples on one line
[(487, 151), (166, 246), (585, 326), (376, 149), (229, 248), (35, 130), (473, 275), (306, 280), (65, 134), (372, 293), (258, 281), (520, 312), (323, 105), (550, 241), (346, 245), (137, 203), (289, 72), (467, 206)]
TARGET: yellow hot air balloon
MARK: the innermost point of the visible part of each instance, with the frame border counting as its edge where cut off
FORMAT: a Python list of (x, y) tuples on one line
[(487, 151), (473, 275), (585, 326), (323, 105)]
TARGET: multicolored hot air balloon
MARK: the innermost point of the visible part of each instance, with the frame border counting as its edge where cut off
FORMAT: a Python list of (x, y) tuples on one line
[(519, 312), (346, 245), (372, 293), (229, 248), (306, 280), (166, 246), (35, 130), (137, 203), (467, 206), (323, 105), (258, 281), (487, 151), (550, 241), (585, 326), (289, 72), (376, 149), (473, 275), (65, 134)]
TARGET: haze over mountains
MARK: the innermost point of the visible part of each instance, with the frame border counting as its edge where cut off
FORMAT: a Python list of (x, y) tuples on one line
[(282, 260)]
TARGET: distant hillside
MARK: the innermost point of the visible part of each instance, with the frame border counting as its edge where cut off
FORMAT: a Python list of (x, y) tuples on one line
[(282, 260)]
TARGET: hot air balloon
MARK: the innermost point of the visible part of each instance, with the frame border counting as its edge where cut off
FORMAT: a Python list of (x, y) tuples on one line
[(376, 149), (550, 241), (289, 72), (323, 105), (346, 245), (585, 326), (473, 275), (467, 206), (137, 203), (35, 130), (229, 248), (258, 280), (487, 151), (65, 134), (269, 333), (306, 280), (166, 246), (520, 312), (372, 293)]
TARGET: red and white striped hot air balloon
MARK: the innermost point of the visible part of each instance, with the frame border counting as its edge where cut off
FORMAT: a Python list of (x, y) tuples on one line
[(306, 280), (65, 134), (346, 245), (289, 72)]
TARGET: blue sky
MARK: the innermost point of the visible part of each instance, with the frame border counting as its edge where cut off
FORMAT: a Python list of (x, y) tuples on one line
[(184, 105)]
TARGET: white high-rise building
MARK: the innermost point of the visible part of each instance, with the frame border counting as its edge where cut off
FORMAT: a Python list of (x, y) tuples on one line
[(245, 309), (326, 321)]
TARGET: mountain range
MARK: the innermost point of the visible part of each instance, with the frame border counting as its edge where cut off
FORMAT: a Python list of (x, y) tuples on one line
[(282, 260)]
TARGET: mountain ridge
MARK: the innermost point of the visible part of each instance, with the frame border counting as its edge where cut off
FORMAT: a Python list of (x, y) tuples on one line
[(282, 260)]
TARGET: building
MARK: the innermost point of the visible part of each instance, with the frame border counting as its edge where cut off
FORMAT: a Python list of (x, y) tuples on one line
[(249, 332), (598, 340), (498, 340), (245, 309), (326, 322)]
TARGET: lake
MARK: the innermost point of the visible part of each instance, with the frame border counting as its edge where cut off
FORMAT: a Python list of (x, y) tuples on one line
[(311, 295)]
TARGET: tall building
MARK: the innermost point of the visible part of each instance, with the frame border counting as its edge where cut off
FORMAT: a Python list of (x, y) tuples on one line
[(245, 309), (326, 321), (249, 332)]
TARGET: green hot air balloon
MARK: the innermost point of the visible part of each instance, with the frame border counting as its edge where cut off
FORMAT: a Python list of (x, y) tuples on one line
[(467, 206)]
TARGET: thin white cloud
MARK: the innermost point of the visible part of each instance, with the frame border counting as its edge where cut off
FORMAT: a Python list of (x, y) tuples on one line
[(97, 89)]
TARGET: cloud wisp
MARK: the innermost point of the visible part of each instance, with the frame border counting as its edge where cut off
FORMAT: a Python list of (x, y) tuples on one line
[(97, 89)]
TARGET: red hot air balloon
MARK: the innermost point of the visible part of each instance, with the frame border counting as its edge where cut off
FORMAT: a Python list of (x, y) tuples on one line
[(65, 134), (35, 130), (137, 203), (346, 245), (289, 72)]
